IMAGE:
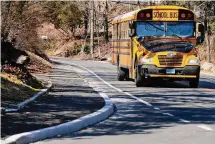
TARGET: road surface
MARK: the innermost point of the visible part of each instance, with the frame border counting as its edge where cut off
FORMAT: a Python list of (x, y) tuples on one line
[(165, 113)]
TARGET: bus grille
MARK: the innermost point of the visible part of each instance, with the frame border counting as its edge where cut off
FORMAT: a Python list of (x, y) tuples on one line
[(170, 61)]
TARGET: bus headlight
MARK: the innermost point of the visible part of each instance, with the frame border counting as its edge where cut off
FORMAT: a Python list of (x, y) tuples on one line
[(193, 61), (145, 60)]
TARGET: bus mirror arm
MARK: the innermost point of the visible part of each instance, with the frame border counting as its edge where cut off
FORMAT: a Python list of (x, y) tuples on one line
[(131, 24), (132, 34)]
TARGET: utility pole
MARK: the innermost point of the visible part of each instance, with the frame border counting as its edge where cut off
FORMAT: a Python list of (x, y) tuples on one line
[(91, 28)]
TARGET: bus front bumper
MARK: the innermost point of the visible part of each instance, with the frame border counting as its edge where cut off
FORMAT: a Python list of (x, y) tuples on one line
[(151, 71)]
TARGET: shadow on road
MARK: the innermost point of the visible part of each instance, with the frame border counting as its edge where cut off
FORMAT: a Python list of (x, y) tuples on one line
[(69, 99), (195, 105), (133, 117)]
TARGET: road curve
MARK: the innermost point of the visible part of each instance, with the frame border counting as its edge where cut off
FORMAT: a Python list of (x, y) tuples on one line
[(167, 112)]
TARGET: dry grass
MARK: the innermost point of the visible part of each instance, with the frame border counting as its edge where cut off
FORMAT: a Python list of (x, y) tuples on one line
[(13, 90), (38, 64)]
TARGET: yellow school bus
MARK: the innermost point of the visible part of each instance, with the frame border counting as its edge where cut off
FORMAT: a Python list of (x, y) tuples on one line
[(156, 43)]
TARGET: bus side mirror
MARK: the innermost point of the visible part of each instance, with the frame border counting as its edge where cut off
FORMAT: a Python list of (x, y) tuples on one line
[(132, 27), (201, 30), (131, 24), (201, 27)]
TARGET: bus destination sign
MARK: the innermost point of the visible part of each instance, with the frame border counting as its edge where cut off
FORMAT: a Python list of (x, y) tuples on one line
[(167, 15)]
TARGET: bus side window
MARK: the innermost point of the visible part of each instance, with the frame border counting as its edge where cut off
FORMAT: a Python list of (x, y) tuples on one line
[(123, 30), (127, 30), (113, 31), (119, 31)]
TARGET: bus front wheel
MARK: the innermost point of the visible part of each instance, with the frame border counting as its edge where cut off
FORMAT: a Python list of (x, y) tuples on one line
[(121, 75), (194, 83), (138, 78)]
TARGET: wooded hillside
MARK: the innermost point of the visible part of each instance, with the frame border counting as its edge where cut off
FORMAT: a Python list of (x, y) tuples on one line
[(87, 22)]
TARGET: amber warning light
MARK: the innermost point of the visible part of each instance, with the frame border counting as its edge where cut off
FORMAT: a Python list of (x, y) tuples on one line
[(141, 15), (148, 15), (145, 15), (185, 15)]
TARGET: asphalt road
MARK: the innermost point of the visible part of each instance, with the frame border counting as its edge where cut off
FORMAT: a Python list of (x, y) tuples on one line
[(69, 99), (165, 113)]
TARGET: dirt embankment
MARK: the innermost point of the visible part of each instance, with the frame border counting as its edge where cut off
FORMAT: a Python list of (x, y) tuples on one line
[(17, 83), (64, 43), (60, 43)]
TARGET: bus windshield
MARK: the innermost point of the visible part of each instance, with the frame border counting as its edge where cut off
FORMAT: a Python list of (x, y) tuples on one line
[(165, 29)]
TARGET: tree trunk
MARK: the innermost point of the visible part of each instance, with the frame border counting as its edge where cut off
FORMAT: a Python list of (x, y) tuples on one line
[(84, 45), (91, 28), (99, 50), (106, 22), (86, 15), (208, 47), (207, 38)]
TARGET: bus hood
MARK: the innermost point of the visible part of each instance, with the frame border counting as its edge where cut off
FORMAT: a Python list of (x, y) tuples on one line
[(168, 45)]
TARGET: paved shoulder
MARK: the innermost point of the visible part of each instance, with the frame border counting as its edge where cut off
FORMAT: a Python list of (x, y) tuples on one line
[(69, 99)]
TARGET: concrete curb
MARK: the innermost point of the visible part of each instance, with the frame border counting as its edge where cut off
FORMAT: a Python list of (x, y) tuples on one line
[(207, 73), (69, 127), (33, 98)]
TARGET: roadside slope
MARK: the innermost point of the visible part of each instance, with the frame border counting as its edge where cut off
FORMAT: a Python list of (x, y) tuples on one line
[(69, 99)]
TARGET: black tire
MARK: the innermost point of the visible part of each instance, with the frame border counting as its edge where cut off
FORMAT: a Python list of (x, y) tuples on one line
[(194, 83), (126, 74), (121, 75), (138, 78)]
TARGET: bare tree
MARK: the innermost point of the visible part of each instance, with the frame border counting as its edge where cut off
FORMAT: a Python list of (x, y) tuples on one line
[(106, 22), (97, 21), (19, 22), (91, 28), (86, 22), (86, 18)]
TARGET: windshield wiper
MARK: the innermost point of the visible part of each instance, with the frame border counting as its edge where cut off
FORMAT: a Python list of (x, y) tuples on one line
[(187, 41), (156, 27)]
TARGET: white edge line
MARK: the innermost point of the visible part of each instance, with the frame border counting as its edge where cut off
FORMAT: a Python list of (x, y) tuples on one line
[(205, 127), (184, 121), (10, 110), (156, 108), (142, 101), (119, 90), (168, 114), (69, 127)]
